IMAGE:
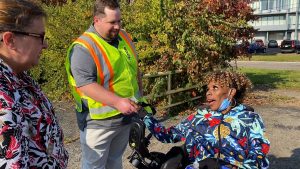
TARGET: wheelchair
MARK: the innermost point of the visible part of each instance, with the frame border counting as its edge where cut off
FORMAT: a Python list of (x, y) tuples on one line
[(141, 157)]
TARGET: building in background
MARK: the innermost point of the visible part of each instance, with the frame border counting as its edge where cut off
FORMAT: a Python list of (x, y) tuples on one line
[(278, 20)]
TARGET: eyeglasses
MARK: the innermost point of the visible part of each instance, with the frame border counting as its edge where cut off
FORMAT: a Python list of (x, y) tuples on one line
[(41, 36)]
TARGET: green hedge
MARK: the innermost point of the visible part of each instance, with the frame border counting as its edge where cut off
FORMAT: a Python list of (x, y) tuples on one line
[(65, 24)]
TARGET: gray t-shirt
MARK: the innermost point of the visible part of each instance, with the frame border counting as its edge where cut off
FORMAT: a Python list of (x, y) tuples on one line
[(84, 71)]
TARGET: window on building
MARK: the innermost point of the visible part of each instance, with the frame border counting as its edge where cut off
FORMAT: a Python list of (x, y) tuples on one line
[(264, 21), (272, 4), (257, 22), (283, 4), (276, 20), (292, 19), (270, 20), (293, 4), (279, 20), (255, 5), (276, 35), (264, 4), (282, 20)]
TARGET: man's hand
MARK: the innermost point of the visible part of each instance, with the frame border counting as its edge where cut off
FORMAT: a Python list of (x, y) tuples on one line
[(100, 94), (126, 106)]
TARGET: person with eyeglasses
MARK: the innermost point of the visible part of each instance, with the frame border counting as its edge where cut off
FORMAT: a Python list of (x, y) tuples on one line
[(30, 135), (37, 35)]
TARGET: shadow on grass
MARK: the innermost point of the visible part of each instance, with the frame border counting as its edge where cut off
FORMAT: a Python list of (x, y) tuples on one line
[(292, 162), (266, 82)]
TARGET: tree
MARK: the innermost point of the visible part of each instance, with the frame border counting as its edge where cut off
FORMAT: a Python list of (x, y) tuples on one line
[(193, 35), (65, 23)]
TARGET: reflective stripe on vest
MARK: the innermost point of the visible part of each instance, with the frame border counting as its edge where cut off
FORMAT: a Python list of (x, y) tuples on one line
[(128, 41), (107, 66), (126, 80)]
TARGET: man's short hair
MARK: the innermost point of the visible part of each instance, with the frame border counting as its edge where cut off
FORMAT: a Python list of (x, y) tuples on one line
[(101, 4)]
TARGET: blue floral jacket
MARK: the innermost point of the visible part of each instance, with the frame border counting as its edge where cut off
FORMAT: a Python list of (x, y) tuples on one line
[(243, 142)]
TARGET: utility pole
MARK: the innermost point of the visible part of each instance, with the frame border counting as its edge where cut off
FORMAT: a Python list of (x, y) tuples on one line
[(297, 20)]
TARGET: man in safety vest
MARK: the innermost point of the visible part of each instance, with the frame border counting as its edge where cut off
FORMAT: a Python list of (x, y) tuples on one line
[(102, 68)]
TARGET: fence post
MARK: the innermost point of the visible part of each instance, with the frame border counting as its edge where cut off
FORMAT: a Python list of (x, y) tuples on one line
[(169, 88), (169, 91)]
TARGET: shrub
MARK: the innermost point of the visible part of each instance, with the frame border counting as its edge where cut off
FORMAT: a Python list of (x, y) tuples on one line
[(195, 36), (65, 24)]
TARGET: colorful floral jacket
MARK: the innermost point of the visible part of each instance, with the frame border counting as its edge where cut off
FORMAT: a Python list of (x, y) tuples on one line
[(30, 136), (243, 142)]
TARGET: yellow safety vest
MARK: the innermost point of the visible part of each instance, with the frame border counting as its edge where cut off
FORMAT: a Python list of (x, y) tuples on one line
[(116, 71)]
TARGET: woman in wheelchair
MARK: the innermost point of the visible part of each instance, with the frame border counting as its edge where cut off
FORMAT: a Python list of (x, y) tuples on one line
[(226, 134)]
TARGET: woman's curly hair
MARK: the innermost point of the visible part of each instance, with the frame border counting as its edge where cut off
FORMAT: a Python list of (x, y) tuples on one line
[(231, 79)]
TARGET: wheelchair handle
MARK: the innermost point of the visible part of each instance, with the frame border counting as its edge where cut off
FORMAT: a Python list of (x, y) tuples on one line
[(143, 104)]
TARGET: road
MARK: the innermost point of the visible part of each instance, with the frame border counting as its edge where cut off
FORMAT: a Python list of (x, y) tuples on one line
[(268, 65)]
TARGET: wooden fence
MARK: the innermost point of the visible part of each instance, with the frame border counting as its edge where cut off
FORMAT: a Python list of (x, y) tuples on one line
[(170, 91)]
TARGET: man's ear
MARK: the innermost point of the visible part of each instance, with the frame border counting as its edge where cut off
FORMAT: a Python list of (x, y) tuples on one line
[(97, 19), (8, 39)]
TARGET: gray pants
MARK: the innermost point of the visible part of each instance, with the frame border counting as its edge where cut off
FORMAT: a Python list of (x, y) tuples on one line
[(103, 148)]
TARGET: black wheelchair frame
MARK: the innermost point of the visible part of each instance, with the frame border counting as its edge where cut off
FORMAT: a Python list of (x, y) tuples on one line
[(141, 157)]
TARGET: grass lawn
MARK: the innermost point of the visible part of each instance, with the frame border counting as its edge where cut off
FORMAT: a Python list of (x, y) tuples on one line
[(273, 79), (279, 57)]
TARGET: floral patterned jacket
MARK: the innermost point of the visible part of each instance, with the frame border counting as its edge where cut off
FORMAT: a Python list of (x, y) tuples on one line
[(243, 143), (30, 136)]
